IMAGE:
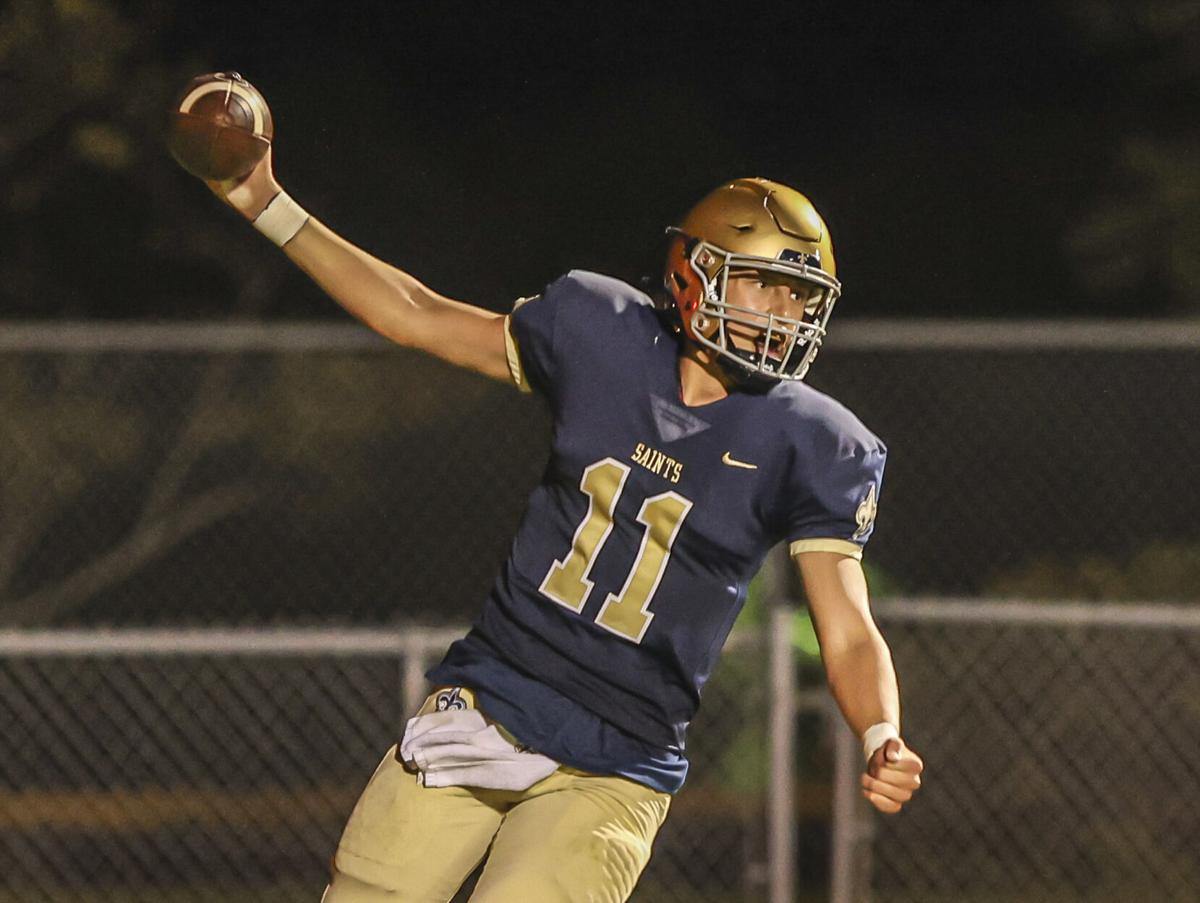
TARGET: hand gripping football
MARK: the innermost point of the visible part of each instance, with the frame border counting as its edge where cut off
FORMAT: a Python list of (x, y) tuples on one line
[(220, 127)]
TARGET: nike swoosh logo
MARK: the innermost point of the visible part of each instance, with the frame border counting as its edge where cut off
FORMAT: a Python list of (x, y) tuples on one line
[(733, 462)]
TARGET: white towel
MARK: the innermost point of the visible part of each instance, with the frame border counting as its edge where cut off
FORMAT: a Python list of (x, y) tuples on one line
[(457, 748)]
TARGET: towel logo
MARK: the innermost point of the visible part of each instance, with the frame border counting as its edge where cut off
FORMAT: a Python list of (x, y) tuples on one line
[(450, 699)]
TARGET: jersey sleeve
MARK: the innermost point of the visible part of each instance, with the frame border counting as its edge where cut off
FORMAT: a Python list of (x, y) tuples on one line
[(536, 331), (836, 496), (529, 343), (563, 330)]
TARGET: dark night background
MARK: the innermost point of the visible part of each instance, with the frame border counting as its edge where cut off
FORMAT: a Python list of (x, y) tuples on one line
[(1000, 159)]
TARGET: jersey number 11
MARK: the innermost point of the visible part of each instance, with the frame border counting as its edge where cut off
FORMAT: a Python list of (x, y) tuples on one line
[(627, 613)]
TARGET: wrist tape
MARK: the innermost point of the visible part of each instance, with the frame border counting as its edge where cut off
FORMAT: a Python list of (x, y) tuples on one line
[(281, 219), (877, 735)]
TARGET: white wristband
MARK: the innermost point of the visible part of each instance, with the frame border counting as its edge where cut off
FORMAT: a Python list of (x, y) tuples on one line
[(281, 219), (877, 735)]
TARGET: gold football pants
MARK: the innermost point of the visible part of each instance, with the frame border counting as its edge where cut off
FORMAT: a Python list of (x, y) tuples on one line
[(573, 837)]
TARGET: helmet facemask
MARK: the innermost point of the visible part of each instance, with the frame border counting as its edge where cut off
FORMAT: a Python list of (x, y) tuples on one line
[(784, 347)]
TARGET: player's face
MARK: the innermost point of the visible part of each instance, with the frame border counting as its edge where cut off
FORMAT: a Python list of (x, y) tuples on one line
[(763, 293)]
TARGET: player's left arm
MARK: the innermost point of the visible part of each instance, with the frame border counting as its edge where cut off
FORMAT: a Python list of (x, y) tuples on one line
[(859, 668)]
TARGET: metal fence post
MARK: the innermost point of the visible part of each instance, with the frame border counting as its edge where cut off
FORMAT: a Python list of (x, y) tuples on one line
[(781, 809), (412, 674), (846, 828)]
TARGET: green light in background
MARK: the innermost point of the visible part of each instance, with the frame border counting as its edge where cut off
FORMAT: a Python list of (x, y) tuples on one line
[(804, 635)]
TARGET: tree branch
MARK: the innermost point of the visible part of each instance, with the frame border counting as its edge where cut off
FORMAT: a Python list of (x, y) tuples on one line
[(135, 550)]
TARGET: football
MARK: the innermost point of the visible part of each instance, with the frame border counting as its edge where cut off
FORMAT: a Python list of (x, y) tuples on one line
[(219, 127)]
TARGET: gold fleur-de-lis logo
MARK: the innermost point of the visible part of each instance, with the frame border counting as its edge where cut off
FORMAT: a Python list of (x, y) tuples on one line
[(865, 515)]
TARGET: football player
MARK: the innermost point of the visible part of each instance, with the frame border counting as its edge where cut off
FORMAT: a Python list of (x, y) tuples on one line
[(685, 446)]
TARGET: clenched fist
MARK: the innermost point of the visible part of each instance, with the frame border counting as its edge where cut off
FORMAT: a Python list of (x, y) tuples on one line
[(893, 775)]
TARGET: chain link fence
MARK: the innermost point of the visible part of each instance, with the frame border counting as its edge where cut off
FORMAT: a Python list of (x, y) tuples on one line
[(1036, 460), (1060, 745), (221, 766), (312, 475), (254, 476)]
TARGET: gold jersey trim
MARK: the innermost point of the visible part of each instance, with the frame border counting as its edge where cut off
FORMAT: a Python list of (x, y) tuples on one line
[(513, 354), (841, 546)]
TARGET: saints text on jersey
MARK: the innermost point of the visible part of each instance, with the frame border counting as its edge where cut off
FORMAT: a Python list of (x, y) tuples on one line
[(657, 463)]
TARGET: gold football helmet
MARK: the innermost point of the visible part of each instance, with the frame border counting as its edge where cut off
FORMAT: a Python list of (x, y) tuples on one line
[(763, 226)]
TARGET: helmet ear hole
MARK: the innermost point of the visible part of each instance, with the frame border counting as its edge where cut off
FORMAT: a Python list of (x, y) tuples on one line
[(677, 281)]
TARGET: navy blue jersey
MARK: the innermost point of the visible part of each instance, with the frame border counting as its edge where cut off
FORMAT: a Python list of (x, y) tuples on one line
[(634, 556)]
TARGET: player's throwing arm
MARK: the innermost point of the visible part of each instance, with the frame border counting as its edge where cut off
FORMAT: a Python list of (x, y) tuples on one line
[(392, 302)]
